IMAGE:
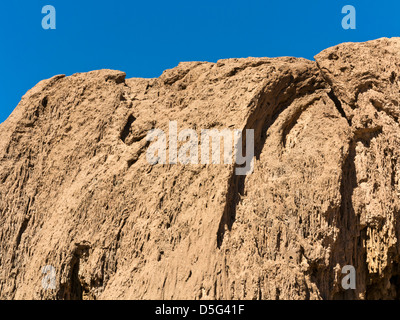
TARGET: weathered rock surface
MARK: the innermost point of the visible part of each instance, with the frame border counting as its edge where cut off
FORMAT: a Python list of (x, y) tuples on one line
[(77, 193)]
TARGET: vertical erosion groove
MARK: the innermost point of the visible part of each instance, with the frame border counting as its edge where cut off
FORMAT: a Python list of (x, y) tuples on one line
[(76, 286), (270, 103), (127, 128), (338, 105)]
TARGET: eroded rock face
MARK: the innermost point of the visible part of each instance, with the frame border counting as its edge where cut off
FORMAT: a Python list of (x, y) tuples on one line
[(77, 192)]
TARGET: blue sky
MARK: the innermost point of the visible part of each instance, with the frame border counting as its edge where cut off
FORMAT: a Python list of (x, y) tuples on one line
[(143, 38)]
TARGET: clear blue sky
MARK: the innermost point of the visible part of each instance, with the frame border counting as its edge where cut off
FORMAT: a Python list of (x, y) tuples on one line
[(143, 38)]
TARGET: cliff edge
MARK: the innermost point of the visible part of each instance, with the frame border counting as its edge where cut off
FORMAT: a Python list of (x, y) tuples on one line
[(78, 195)]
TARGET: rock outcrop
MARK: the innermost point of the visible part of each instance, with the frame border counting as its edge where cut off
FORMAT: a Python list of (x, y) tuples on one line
[(78, 194)]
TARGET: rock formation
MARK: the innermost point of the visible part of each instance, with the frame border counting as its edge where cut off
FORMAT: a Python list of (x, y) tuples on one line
[(77, 193)]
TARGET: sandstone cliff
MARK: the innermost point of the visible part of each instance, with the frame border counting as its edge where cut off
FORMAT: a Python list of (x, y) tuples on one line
[(77, 193)]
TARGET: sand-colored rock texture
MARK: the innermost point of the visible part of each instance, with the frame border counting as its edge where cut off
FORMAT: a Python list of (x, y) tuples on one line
[(77, 192)]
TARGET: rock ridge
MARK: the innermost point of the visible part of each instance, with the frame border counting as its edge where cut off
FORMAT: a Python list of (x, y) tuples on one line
[(78, 194)]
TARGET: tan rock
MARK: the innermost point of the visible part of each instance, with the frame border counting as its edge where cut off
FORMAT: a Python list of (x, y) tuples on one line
[(77, 192)]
